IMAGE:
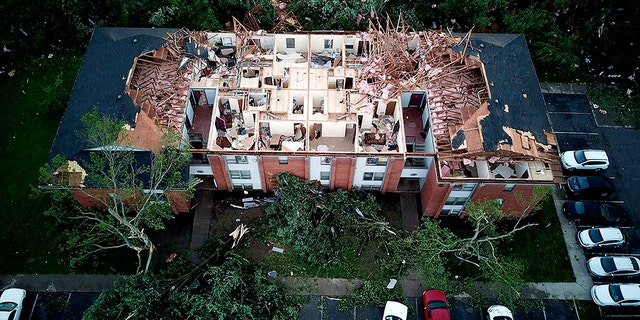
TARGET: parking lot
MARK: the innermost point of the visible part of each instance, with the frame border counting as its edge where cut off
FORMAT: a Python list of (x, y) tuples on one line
[(323, 308), (574, 122), (575, 126), (56, 305)]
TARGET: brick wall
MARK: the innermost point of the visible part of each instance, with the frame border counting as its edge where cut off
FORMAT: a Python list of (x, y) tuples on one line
[(392, 177), (510, 206), (180, 200), (270, 167), (342, 173), (433, 195), (219, 168)]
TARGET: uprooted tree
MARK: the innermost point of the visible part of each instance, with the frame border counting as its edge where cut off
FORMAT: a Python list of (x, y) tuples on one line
[(223, 286), (432, 249), (315, 223), (127, 187)]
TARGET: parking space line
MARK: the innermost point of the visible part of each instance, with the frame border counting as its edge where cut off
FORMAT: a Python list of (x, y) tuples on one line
[(34, 305), (544, 312), (568, 112), (576, 132), (575, 308)]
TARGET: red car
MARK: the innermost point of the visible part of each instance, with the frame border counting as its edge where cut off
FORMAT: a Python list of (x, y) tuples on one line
[(435, 305)]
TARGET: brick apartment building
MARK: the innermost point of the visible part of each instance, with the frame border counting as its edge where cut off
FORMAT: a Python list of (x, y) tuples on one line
[(452, 118)]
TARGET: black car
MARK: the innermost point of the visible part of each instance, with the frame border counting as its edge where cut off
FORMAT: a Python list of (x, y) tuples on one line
[(590, 186), (590, 211)]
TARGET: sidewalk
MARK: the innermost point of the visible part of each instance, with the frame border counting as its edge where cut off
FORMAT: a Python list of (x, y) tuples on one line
[(58, 282)]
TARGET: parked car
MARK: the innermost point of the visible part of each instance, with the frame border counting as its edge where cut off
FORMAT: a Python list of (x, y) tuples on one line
[(595, 186), (614, 266), (435, 305), (600, 237), (395, 311), (616, 294), (11, 303), (590, 211), (584, 160), (498, 312)]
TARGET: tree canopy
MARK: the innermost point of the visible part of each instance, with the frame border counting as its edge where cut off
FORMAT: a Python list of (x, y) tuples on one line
[(127, 187), (223, 286)]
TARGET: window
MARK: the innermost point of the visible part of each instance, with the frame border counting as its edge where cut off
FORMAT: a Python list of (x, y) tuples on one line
[(377, 161), (237, 159), (240, 174), (325, 175), (283, 160), (509, 187), (375, 176), (326, 160), (367, 187), (452, 201), (328, 43), (291, 43), (451, 211), (500, 201), (464, 187)]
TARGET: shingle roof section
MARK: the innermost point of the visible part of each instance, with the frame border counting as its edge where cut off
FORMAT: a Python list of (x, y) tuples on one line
[(516, 100), (101, 83)]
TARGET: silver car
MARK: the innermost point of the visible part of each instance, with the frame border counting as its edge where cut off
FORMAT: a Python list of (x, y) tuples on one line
[(584, 160), (600, 237), (617, 294), (614, 266), (11, 303)]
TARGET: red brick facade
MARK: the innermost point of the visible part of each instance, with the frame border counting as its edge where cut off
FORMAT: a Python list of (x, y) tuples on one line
[(510, 205), (94, 198), (392, 177), (270, 167), (433, 195), (219, 168), (342, 173)]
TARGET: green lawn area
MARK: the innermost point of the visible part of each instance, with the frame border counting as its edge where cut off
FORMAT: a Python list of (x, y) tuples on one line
[(27, 236), (543, 248)]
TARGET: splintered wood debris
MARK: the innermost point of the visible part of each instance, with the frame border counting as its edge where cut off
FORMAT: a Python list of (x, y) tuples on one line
[(160, 79), (401, 59)]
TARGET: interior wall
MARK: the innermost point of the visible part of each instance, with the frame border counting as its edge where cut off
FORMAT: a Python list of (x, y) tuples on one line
[(317, 42), (301, 42), (333, 129), (281, 127)]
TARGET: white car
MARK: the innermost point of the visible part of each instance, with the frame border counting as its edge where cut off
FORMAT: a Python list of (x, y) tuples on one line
[(600, 237), (395, 311), (11, 303), (614, 266), (584, 160), (498, 312), (618, 294)]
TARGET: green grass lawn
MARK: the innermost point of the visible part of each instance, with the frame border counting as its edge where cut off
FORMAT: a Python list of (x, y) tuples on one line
[(28, 238), (543, 248)]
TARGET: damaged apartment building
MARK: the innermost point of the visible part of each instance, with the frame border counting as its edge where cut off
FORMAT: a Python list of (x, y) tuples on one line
[(451, 117)]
